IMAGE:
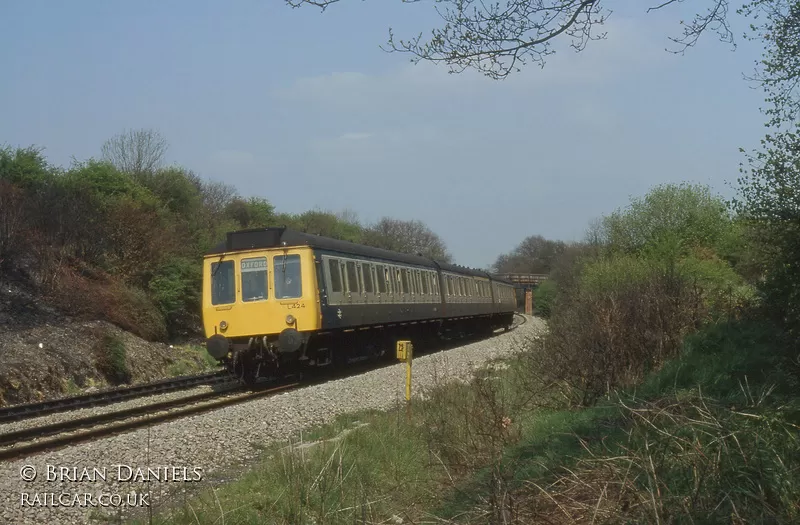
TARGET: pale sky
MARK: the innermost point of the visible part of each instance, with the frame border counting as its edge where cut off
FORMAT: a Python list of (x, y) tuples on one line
[(303, 108)]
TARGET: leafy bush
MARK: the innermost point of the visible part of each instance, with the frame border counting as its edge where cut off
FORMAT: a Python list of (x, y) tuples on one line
[(625, 317), (769, 197), (544, 296), (176, 290), (111, 359), (681, 216)]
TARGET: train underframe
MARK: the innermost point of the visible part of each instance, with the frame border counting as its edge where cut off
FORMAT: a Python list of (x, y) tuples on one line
[(261, 357)]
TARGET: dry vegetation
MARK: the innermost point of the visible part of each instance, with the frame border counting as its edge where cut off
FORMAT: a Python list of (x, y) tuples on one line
[(663, 393)]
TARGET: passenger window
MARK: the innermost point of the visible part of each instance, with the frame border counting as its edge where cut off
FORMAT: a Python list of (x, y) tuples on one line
[(366, 270), (383, 280), (288, 281), (425, 277), (336, 275), (404, 280), (254, 279), (450, 290), (352, 277), (223, 289)]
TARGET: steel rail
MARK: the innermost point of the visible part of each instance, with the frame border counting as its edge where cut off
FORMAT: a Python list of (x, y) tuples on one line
[(109, 395), (100, 430)]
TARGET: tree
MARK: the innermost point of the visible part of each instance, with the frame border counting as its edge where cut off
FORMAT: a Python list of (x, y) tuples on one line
[(176, 187), (343, 226), (217, 196), (407, 237), (534, 254), (136, 152), (780, 64), (683, 216), (769, 199), (25, 167), (254, 212), (498, 38)]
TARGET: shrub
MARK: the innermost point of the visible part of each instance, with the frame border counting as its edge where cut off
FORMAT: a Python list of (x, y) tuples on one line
[(544, 296), (625, 317), (93, 295), (176, 290), (12, 221), (111, 361)]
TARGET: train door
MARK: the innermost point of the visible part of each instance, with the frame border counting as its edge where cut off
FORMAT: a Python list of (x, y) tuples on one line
[(353, 282), (334, 278)]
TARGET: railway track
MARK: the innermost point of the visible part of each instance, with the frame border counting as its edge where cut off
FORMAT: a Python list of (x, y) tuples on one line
[(56, 435), (31, 440), (109, 396)]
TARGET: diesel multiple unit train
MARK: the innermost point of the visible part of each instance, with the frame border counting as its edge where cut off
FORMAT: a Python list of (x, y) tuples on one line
[(276, 298)]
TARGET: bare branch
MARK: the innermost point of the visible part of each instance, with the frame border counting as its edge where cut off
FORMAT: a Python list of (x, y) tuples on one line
[(136, 151), (499, 38)]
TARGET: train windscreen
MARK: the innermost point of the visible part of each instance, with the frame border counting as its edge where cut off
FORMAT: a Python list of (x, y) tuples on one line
[(223, 290), (254, 279), (288, 284)]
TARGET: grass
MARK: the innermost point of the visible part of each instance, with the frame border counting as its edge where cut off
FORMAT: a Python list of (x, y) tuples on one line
[(357, 468), (191, 359), (712, 437)]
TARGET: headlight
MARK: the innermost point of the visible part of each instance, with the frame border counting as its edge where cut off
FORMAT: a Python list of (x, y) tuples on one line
[(290, 319), (223, 325)]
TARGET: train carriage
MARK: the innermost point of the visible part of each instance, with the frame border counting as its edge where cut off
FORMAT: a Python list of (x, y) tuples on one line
[(277, 298)]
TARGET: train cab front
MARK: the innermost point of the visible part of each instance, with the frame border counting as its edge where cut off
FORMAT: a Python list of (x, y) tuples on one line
[(259, 308)]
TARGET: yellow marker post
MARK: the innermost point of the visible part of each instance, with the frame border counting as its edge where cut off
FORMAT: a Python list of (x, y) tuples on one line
[(405, 352)]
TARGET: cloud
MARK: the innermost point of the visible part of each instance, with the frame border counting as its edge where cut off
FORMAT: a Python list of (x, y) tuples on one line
[(628, 47)]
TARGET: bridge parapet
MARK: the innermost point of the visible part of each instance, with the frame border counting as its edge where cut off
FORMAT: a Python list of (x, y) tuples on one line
[(523, 279)]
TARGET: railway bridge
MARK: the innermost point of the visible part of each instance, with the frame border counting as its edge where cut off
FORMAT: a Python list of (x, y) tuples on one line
[(525, 283)]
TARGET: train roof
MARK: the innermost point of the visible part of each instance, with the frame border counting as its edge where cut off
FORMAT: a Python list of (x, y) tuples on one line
[(279, 237)]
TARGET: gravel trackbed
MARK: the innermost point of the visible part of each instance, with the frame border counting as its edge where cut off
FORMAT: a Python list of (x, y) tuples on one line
[(94, 478)]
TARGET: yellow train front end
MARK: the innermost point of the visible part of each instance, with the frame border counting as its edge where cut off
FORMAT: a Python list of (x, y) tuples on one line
[(259, 307)]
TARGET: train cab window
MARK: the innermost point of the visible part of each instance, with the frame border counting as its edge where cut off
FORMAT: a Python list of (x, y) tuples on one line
[(254, 279), (366, 271), (336, 275), (288, 281), (223, 288), (352, 277)]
